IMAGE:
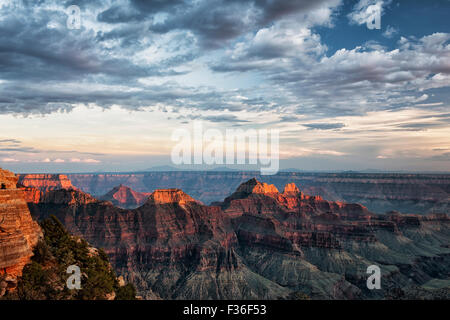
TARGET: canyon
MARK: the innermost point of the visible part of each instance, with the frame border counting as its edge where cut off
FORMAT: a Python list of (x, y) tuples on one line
[(34, 258), (255, 243), (380, 192)]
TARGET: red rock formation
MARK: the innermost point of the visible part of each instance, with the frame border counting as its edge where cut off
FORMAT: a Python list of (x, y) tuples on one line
[(380, 192), (68, 197), (18, 232), (256, 197), (256, 187), (45, 182), (256, 244), (296, 220), (165, 196), (125, 197), (291, 188), (31, 194), (170, 233)]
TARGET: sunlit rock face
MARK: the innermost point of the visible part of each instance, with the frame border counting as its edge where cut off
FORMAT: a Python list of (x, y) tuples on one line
[(18, 232), (45, 182)]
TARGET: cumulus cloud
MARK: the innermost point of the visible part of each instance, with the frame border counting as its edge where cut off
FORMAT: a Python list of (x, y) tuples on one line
[(350, 81), (46, 67), (217, 21)]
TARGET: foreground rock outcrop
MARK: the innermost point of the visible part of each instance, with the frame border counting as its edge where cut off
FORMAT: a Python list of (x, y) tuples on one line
[(18, 232), (258, 243)]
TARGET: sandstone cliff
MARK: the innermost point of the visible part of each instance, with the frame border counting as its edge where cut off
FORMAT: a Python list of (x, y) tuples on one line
[(45, 182), (18, 232)]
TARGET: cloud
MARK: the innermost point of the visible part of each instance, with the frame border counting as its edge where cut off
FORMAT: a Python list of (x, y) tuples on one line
[(120, 13), (390, 32), (18, 149), (350, 81), (90, 161), (296, 151), (215, 118), (77, 160), (215, 22), (422, 125), (42, 62), (9, 141), (232, 57), (324, 126), (9, 160), (442, 157)]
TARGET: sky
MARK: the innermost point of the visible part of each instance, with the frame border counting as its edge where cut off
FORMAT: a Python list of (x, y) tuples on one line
[(107, 96)]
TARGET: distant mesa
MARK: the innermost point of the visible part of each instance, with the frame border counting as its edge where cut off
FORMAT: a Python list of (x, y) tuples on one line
[(45, 182), (164, 196)]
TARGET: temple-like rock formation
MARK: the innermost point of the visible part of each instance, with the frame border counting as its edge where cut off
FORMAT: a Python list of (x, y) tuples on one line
[(125, 197), (165, 196), (18, 232)]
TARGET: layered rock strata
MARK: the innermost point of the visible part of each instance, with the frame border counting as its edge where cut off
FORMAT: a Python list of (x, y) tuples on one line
[(18, 232), (258, 243)]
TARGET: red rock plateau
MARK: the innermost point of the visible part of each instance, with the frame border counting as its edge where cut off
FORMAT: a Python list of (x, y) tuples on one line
[(18, 232), (125, 197), (258, 243), (45, 182)]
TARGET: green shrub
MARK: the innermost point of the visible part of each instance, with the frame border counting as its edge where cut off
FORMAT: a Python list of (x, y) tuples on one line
[(127, 292)]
